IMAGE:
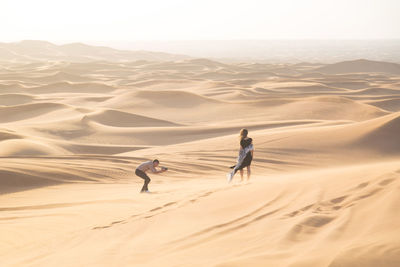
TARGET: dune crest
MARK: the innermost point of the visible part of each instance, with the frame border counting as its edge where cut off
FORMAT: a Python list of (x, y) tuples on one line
[(360, 66), (33, 50)]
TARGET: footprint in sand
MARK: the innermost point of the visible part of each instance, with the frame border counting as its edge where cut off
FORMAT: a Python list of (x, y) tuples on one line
[(387, 181), (338, 199)]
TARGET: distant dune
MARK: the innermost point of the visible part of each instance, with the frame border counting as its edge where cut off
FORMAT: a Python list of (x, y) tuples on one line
[(361, 65), (304, 52), (31, 50), (124, 119)]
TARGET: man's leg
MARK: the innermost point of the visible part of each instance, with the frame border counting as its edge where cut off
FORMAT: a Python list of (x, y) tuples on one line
[(248, 173), (146, 183), (146, 179), (241, 175)]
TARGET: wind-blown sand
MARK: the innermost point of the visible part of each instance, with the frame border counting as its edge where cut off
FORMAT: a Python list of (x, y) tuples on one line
[(326, 174)]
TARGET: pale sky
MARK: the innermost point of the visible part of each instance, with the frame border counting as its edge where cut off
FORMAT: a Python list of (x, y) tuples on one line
[(129, 20)]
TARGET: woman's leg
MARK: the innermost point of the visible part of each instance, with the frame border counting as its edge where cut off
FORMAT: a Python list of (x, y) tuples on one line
[(241, 175), (248, 172)]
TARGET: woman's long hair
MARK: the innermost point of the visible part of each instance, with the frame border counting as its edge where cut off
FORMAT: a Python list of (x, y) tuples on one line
[(243, 133)]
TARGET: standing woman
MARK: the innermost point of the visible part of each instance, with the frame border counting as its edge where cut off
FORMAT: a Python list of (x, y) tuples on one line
[(245, 156)]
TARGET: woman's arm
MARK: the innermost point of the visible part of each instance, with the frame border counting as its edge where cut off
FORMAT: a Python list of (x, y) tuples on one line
[(242, 144)]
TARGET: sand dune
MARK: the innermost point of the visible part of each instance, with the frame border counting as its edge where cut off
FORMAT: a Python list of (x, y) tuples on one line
[(76, 120), (384, 137), (67, 87), (324, 227), (11, 88), (377, 91), (361, 65), (348, 84), (334, 107), (389, 104), (181, 99), (29, 50), (61, 76), (20, 147), (27, 111), (38, 112), (6, 134), (28, 172), (124, 119), (15, 99), (369, 140)]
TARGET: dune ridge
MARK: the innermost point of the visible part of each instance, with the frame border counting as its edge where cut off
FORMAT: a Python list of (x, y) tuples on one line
[(33, 50)]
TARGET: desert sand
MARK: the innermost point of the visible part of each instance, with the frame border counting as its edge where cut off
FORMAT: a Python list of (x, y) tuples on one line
[(76, 120)]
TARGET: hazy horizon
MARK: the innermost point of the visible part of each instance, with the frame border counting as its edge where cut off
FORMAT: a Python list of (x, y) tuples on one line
[(267, 51), (274, 50), (198, 20), (252, 30)]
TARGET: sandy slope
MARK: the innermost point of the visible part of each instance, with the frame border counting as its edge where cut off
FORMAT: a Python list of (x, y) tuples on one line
[(325, 184)]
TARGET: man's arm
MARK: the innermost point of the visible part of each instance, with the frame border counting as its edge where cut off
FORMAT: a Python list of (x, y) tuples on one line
[(154, 170)]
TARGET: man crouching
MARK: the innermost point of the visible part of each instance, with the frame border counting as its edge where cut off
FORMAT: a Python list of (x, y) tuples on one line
[(143, 168)]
